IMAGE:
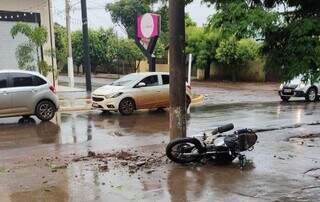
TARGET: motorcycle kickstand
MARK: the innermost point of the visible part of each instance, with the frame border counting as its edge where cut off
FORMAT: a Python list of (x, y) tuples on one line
[(242, 161)]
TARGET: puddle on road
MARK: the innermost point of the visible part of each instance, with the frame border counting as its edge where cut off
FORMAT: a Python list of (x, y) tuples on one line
[(150, 127), (95, 128)]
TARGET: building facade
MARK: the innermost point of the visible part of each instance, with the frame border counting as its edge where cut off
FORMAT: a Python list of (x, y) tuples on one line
[(34, 12)]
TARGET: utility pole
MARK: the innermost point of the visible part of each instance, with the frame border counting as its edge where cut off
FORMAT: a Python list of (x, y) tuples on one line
[(70, 59), (87, 63), (177, 69)]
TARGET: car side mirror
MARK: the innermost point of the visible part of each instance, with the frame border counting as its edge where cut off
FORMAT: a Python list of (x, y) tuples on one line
[(141, 84)]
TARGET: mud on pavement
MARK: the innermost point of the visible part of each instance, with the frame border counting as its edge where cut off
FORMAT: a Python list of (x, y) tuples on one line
[(132, 160)]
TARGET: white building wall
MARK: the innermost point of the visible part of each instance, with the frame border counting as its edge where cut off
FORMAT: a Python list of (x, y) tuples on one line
[(36, 6)]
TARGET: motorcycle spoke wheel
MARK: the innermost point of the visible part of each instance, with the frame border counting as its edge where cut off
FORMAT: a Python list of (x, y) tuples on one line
[(186, 152)]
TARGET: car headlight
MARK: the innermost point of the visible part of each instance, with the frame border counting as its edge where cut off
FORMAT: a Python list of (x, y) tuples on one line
[(281, 86), (114, 95), (302, 85)]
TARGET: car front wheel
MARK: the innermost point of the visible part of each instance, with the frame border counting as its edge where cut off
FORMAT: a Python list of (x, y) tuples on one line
[(45, 110), (311, 95), (127, 106)]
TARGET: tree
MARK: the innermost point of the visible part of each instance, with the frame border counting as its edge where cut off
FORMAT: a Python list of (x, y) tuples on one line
[(241, 18), (235, 54), (293, 46), (107, 50), (60, 34), (101, 50), (128, 52), (202, 44), (37, 37), (124, 12)]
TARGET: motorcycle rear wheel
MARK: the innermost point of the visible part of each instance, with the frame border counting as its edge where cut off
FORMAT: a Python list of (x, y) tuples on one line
[(186, 150)]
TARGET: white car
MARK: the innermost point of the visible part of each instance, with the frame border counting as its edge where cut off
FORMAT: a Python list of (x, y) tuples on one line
[(135, 91), (297, 88), (25, 93)]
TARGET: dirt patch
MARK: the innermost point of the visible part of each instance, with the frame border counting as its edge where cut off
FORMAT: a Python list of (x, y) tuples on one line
[(309, 140), (133, 160), (261, 130)]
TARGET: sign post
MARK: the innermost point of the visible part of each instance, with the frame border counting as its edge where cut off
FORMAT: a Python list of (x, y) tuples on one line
[(147, 34)]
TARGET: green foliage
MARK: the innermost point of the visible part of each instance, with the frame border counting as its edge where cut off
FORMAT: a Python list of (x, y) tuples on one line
[(25, 56), (36, 35), (61, 43), (242, 20), (227, 52), (189, 22), (106, 49), (44, 67), (124, 12), (235, 54), (25, 53), (291, 36), (293, 46), (128, 52), (100, 47), (202, 45)]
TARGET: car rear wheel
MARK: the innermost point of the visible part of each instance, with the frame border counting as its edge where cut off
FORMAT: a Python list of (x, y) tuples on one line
[(127, 106), (311, 95), (45, 110), (285, 98)]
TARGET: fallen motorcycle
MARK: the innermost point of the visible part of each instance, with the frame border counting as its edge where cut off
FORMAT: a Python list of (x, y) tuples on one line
[(216, 146)]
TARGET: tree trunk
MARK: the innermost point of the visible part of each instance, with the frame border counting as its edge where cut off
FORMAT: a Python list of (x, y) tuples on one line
[(138, 66), (207, 71), (234, 75)]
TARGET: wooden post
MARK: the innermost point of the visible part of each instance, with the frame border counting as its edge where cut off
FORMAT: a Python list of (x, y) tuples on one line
[(177, 69)]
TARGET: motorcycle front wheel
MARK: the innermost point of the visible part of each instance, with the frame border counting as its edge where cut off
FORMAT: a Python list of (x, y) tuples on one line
[(186, 150)]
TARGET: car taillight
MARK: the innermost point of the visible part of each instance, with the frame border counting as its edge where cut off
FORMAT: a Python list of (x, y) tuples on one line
[(53, 89)]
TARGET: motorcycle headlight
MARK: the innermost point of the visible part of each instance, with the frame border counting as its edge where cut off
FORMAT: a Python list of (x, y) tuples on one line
[(114, 95)]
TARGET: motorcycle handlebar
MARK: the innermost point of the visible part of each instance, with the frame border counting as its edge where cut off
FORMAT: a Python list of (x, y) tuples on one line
[(226, 128)]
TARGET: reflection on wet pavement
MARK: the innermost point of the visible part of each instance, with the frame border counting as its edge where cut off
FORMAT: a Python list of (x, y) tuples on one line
[(149, 127), (282, 168)]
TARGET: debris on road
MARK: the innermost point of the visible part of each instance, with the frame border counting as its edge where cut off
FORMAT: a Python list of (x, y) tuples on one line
[(132, 161)]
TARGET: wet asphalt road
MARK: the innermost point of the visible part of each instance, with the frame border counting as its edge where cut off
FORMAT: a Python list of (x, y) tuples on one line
[(279, 171)]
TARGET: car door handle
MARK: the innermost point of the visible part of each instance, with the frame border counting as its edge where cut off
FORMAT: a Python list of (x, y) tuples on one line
[(5, 93), (34, 90)]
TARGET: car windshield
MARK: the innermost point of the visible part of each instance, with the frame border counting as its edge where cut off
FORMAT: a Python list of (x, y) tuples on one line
[(126, 80)]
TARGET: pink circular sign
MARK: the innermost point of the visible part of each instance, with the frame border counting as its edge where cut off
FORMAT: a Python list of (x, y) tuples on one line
[(148, 25)]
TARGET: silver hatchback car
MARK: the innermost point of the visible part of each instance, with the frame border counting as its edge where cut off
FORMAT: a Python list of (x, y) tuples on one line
[(24, 93)]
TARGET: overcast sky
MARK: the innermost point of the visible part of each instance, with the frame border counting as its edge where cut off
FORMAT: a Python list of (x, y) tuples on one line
[(98, 17)]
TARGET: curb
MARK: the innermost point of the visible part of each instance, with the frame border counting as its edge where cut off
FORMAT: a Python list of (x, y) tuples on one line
[(73, 109), (198, 99), (76, 98)]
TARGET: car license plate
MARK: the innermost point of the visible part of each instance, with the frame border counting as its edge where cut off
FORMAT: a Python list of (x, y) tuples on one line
[(287, 90), (95, 105)]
